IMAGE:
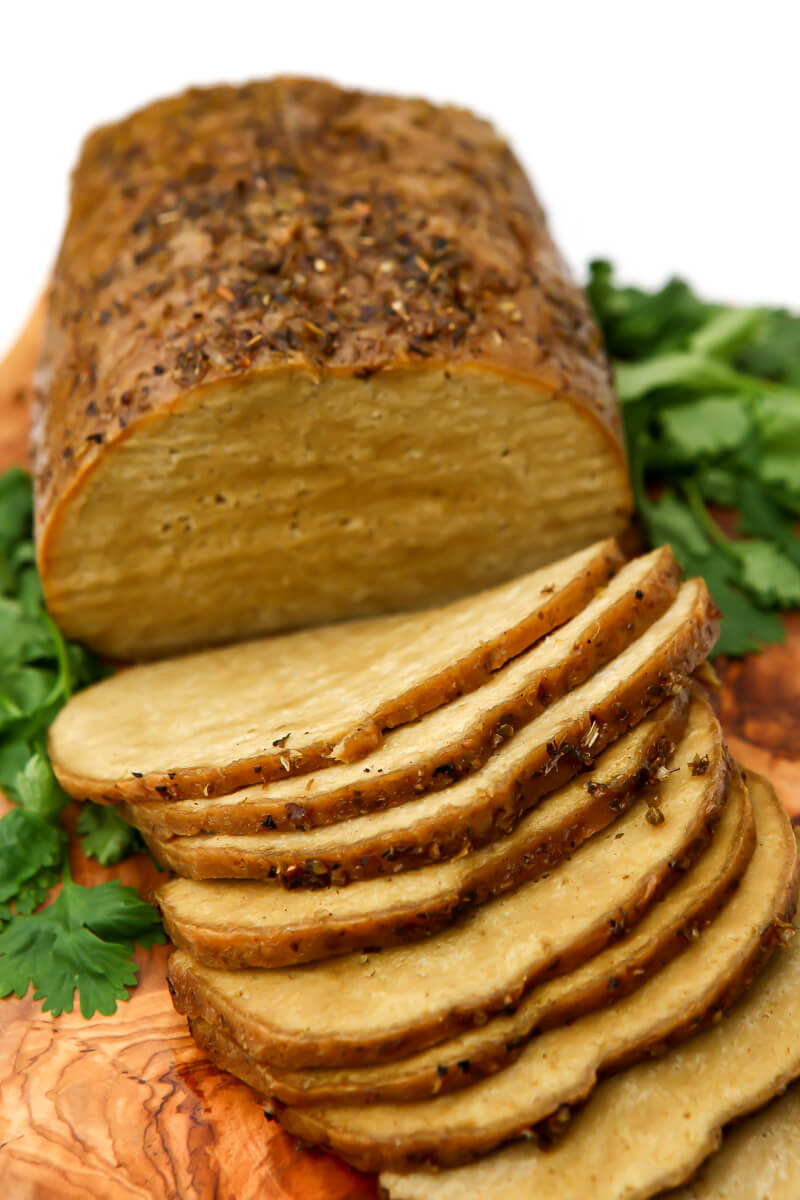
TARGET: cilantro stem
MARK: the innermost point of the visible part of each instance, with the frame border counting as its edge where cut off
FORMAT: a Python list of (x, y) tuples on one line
[(704, 519), (64, 681)]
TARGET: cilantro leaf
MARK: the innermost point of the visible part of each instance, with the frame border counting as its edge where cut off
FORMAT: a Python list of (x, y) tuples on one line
[(23, 639), (82, 942), (718, 484), (768, 574), (774, 350), (692, 372), (760, 516), (727, 331), (27, 843), (104, 834), (746, 627), (712, 426), (670, 521), (116, 912), (24, 692), (638, 324), (711, 409), (778, 420), (38, 789), (34, 891), (16, 509), (14, 754)]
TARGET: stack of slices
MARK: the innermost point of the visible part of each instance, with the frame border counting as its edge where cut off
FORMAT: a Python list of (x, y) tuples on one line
[(440, 872)]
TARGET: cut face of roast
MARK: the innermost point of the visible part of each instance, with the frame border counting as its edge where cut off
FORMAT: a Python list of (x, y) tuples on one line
[(759, 1156)]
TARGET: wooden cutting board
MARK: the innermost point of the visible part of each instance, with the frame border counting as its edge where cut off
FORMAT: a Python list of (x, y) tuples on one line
[(127, 1107)]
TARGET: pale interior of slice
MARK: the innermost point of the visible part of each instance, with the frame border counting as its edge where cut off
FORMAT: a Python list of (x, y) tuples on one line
[(301, 689), (416, 743), (759, 1158), (664, 931)]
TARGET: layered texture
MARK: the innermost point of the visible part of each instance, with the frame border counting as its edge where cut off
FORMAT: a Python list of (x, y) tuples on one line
[(316, 351)]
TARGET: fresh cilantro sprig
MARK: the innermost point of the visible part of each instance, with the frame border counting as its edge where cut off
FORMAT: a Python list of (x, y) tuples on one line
[(710, 400), (84, 940), (105, 836), (81, 942)]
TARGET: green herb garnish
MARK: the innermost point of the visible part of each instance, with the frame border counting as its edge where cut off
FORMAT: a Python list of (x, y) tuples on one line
[(105, 836), (711, 407), (81, 942), (84, 940)]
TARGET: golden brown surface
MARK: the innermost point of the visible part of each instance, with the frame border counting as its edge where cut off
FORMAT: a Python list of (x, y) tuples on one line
[(240, 1157), (358, 299)]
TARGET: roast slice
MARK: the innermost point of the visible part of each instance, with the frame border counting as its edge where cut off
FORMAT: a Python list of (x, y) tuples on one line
[(220, 719), (759, 1158), (448, 743), (233, 924), (540, 758), (650, 1127), (623, 966), (561, 1067), (364, 1007)]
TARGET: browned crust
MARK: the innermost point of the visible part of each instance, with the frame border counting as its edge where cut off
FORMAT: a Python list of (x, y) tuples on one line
[(462, 677), (448, 834), (231, 947), (622, 624), (193, 998), (266, 181), (495, 1049)]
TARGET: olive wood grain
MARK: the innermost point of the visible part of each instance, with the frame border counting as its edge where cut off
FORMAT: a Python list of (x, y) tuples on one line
[(127, 1107)]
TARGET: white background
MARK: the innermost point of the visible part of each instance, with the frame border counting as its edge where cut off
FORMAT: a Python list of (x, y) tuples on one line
[(662, 133)]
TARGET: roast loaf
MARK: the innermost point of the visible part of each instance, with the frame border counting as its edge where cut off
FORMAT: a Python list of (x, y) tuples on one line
[(309, 354)]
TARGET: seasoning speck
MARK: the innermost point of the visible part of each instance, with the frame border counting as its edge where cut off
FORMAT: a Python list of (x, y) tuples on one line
[(699, 764)]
